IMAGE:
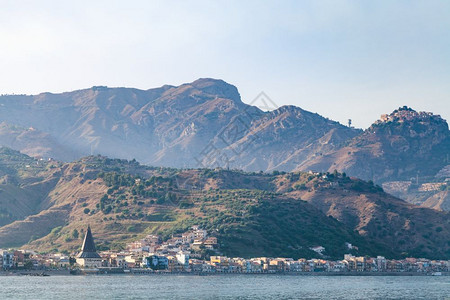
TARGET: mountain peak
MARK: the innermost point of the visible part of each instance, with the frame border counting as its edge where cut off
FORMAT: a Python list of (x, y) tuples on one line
[(290, 108), (217, 87), (206, 81)]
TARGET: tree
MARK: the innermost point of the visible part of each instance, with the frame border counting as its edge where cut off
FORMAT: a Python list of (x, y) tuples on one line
[(72, 261), (28, 265), (335, 173), (75, 234)]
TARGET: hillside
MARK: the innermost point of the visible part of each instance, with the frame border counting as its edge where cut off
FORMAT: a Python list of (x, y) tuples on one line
[(401, 146), (168, 126), (406, 151), (372, 213), (24, 182), (252, 214), (279, 140)]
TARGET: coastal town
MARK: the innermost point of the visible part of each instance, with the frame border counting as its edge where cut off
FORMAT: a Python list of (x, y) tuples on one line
[(195, 252)]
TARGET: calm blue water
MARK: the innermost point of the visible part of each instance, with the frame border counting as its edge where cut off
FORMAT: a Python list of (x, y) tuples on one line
[(224, 287)]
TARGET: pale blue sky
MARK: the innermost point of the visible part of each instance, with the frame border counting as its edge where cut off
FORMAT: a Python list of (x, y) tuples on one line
[(341, 59)]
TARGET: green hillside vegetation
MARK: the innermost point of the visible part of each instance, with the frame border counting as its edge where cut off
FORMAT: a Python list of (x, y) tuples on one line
[(252, 214)]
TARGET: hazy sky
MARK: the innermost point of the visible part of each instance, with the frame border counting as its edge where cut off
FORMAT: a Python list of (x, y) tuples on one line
[(341, 59)]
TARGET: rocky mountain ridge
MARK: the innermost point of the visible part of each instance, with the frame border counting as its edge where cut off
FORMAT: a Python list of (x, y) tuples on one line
[(174, 126)]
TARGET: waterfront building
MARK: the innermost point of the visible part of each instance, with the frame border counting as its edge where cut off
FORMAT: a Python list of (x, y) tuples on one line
[(7, 259), (157, 262), (381, 263), (183, 258), (88, 257)]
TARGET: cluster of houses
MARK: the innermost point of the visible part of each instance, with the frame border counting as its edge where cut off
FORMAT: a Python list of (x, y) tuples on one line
[(406, 114), (181, 254), (174, 254), (194, 239), (26, 259), (404, 186)]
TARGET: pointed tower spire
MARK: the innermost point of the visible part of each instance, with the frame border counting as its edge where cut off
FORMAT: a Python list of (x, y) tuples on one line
[(88, 243), (88, 249)]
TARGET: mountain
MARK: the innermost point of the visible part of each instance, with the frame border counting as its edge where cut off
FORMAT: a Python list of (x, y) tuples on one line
[(406, 151), (281, 139), (400, 146), (203, 123), (252, 214)]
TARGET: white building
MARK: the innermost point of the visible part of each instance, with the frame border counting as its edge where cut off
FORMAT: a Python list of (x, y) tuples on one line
[(183, 257)]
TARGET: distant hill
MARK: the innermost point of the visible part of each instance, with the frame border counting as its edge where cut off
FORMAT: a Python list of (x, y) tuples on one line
[(34, 142), (252, 214)]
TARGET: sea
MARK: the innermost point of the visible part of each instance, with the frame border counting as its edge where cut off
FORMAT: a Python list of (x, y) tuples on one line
[(224, 287)]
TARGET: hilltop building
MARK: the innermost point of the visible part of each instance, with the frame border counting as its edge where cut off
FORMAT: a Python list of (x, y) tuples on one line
[(88, 257)]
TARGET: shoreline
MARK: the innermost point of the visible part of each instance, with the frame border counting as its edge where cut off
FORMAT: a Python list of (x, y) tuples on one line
[(45, 273)]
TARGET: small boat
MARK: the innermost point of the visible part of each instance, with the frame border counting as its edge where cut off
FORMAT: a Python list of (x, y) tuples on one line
[(436, 274)]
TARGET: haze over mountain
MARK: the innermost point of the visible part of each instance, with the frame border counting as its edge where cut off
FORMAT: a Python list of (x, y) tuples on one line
[(175, 126)]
